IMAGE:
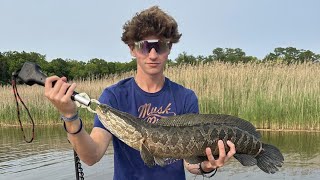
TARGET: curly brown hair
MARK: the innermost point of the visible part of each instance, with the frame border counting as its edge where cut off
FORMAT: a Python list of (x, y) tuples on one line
[(150, 22)]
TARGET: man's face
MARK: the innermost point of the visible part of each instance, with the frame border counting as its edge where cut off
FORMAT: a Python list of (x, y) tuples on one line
[(151, 54)]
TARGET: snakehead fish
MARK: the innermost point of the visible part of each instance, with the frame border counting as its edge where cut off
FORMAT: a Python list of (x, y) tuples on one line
[(187, 136)]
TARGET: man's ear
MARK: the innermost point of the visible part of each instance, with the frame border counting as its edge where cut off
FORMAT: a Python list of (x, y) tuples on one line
[(131, 48)]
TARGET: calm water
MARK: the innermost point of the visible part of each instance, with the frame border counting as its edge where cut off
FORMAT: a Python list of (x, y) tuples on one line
[(50, 156)]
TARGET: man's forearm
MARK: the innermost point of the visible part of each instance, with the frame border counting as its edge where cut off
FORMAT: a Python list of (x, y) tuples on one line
[(87, 146)]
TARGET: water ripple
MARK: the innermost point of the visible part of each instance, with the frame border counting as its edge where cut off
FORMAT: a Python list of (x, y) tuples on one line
[(50, 156)]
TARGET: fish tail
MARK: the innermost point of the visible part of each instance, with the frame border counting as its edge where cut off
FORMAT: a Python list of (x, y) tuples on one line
[(269, 159)]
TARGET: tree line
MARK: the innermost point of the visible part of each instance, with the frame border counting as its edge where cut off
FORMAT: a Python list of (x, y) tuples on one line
[(73, 69)]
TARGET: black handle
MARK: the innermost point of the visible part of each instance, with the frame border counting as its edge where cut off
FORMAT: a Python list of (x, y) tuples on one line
[(31, 74)]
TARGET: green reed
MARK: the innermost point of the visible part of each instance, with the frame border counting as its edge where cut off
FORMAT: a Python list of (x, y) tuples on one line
[(42, 111), (271, 96)]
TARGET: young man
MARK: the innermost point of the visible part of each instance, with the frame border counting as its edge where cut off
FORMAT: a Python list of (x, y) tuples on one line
[(149, 95)]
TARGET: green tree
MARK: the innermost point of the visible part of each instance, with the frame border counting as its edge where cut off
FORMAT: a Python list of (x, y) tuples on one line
[(184, 58), (77, 69), (231, 55), (97, 68), (208, 59), (219, 54), (291, 55), (4, 75), (129, 66), (16, 59), (307, 55), (59, 67)]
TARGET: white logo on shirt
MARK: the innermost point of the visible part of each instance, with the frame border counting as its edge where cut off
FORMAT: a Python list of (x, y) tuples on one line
[(153, 114)]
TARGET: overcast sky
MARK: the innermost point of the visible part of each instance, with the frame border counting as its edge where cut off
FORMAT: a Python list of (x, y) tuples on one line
[(86, 29)]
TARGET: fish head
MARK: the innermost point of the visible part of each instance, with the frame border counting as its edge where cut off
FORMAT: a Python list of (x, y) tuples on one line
[(101, 108), (101, 111)]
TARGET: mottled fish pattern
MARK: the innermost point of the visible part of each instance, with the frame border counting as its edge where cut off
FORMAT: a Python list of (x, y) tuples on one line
[(187, 136)]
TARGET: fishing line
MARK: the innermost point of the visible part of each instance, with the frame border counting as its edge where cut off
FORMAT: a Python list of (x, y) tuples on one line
[(17, 99)]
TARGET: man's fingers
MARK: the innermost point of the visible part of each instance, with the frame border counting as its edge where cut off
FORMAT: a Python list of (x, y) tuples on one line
[(56, 88), (56, 92), (209, 155), (63, 90), (232, 150), (71, 89), (223, 157), (222, 151), (211, 163), (64, 79), (48, 84)]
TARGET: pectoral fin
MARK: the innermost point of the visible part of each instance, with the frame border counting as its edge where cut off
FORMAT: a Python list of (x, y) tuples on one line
[(146, 156), (160, 161), (165, 161)]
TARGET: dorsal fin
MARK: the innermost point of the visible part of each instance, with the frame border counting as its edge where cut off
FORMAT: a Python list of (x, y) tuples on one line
[(217, 119)]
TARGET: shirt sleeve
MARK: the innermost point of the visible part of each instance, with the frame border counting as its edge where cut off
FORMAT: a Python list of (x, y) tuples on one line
[(191, 103), (109, 98)]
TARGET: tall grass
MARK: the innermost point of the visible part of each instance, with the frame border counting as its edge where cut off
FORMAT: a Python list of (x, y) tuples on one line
[(271, 96), (42, 111)]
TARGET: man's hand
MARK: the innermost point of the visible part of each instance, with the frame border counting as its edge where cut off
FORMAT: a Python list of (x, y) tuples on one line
[(60, 95), (212, 163)]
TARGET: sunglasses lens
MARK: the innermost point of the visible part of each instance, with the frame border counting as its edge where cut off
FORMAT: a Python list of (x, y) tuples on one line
[(160, 46)]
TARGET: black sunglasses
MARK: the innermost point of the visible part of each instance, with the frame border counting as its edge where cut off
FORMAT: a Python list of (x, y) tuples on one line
[(145, 46)]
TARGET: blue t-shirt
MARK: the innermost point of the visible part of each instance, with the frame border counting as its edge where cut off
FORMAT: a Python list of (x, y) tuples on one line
[(127, 96)]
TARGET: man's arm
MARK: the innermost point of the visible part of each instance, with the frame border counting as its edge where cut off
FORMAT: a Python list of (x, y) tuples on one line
[(90, 148)]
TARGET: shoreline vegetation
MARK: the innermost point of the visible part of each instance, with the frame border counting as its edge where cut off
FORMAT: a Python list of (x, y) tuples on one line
[(272, 96)]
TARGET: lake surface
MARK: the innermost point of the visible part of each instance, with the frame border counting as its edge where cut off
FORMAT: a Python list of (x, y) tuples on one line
[(50, 157)]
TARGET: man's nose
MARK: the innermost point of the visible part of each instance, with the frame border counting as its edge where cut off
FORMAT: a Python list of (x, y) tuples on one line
[(153, 53)]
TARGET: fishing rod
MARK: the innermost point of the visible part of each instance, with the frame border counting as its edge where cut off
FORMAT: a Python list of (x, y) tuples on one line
[(31, 74)]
